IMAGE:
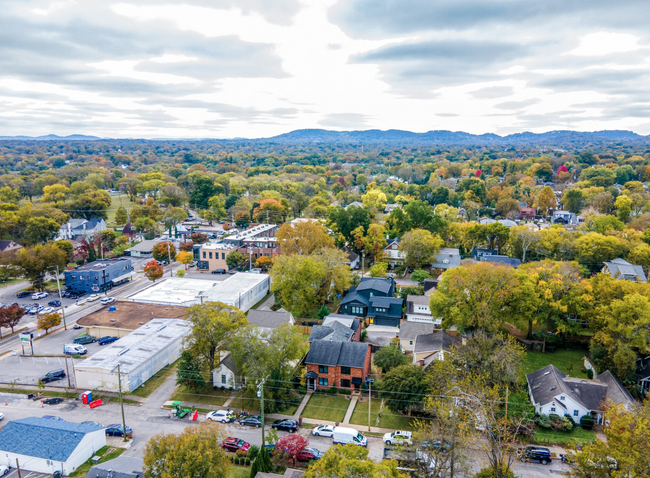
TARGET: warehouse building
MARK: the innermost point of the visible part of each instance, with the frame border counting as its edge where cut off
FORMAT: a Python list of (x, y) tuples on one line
[(43, 445), (140, 355), (242, 290)]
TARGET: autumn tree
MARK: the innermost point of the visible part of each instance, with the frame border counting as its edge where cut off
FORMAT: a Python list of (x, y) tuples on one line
[(623, 205), (352, 460), (55, 193), (164, 251), (36, 262), (91, 204), (374, 199), (10, 316), (212, 325), (270, 211), (185, 258), (474, 297), (48, 321), (292, 445), (263, 262), (545, 200), (304, 237), (195, 452), (420, 247), (153, 271), (379, 269)]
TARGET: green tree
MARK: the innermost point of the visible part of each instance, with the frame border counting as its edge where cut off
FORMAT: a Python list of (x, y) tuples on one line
[(195, 452), (36, 262), (379, 269), (188, 372), (404, 388), (602, 177), (572, 200), (67, 247), (121, 216), (344, 221), (352, 460), (593, 249), (93, 204), (389, 356), (213, 323), (108, 238), (235, 259), (41, 229), (420, 275), (204, 189), (474, 185), (420, 247)]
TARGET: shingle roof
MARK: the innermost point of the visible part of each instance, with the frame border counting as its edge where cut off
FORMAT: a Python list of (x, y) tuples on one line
[(346, 354), (354, 296), (229, 363), (409, 330), (43, 438), (334, 332), (268, 318), (347, 320), (616, 392), (548, 382), (385, 301), (622, 269), (510, 261), (375, 283), (120, 467), (435, 341)]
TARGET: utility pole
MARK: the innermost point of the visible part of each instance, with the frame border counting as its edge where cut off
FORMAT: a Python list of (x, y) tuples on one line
[(67, 372), (58, 285), (363, 263), (260, 394), (250, 258), (119, 384), (369, 382), (18, 467), (169, 255)]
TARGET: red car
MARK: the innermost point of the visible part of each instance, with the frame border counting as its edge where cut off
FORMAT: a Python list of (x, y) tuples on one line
[(234, 444)]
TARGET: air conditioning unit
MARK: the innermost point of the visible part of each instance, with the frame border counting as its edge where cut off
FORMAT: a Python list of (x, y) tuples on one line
[(445, 261)]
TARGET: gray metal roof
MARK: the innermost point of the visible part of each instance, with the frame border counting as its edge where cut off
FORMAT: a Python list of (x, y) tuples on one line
[(346, 354), (43, 438), (375, 283), (268, 318), (410, 330), (120, 467), (434, 342)]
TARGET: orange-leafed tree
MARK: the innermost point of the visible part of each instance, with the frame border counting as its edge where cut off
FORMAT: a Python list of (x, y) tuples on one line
[(153, 271)]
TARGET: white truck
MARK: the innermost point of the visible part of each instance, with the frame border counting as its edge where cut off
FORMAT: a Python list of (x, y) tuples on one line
[(344, 435), (74, 349)]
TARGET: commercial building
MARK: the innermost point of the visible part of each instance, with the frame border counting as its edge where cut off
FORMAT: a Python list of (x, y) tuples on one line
[(43, 445), (212, 256), (140, 355), (242, 290), (255, 232), (142, 249), (98, 276)]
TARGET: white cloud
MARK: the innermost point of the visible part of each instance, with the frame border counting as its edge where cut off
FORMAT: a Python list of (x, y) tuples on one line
[(606, 43)]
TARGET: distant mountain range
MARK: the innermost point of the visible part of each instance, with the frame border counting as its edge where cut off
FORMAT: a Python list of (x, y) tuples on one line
[(395, 137)]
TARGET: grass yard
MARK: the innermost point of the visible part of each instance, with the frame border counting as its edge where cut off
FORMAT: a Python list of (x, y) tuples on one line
[(156, 381), (544, 437), (107, 453), (388, 418), (326, 407), (568, 361), (208, 396), (240, 471), (116, 202)]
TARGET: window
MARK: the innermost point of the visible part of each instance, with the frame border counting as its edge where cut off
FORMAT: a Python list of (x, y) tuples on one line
[(552, 409), (371, 294), (357, 310), (345, 383), (74, 277), (223, 379), (322, 369), (345, 370), (381, 309), (575, 413), (223, 255), (561, 397), (210, 255), (81, 277), (322, 381), (410, 342), (203, 254)]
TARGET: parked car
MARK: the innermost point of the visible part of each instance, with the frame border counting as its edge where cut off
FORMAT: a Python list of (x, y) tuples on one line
[(538, 454), (222, 416), (55, 303), (398, 438), (74, 349), (53, 401), (93, 298), (107, 300), (4, 470), (286, 424), (323, 431), (53, 375), (309, 454), (80, 302), (344, 435), (23, 294), (39, 295), (2, 415), (219, 271), (252, 421), (85, 339), (47, 310), (234, 444), (77, 326), (95, 424), (107, 340), (117, 430)]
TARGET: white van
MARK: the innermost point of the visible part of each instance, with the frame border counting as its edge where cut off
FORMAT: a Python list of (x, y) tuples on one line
[(345, 435), (74, 349)]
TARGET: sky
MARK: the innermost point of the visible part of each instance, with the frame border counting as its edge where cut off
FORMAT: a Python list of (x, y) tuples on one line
[(258, 68)]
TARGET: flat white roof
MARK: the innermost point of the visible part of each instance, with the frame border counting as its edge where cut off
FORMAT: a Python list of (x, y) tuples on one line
[(218, 245), (186, 292), (253, 231), (136, 348)]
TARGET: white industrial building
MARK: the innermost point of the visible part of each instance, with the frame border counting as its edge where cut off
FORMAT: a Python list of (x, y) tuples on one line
[(242, 290), (44, 445), (140, 355)]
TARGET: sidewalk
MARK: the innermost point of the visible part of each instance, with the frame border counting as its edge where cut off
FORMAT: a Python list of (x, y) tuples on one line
[(303, 404), (348, 414)]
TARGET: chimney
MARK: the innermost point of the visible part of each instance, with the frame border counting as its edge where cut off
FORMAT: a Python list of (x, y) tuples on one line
[(421, 362), (463, 341)]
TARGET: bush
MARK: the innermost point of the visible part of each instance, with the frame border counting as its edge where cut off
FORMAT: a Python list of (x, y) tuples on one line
[(241, 453), (248, 462), (490, 473), (570, 421), (253, 452), (364, 334), (587, 422), (332, 391)]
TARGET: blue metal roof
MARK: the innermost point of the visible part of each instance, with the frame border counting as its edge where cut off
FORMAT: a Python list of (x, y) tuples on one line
[(43, 438)]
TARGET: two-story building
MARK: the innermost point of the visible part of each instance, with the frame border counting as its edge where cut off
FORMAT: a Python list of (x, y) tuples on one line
[(337, 364), (624, 270), (417, 310), (76, 228), (374, 298), (260, 247), (212, 256), (98, 276), (393, 253)]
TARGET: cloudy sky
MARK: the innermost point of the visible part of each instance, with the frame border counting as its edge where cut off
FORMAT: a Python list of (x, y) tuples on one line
[(257, 68)]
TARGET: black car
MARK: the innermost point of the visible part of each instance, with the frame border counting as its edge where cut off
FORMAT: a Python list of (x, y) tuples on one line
[(537, 454), (289, 425), (23, 293), (117, 430), (252, 421), (53, 401), (52, 417), (219, 271), (54, 303), (53, 375)]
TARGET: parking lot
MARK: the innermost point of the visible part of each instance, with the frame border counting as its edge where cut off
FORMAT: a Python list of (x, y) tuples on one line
[(26, 474), (27, 370)]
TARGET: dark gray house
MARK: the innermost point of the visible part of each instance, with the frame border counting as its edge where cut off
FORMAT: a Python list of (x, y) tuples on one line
[(120, 467), (98, 276), (374, 298)]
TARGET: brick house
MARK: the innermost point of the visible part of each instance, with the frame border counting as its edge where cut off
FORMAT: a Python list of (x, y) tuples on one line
[(337, 364)]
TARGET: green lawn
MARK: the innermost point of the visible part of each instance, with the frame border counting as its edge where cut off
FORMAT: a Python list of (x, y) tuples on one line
[(568, 361), (116, 202), (207, 396), (543, 436), (107, 453), (240, 471), (388, 419), (326, 407), (251, 405), (156, 381)]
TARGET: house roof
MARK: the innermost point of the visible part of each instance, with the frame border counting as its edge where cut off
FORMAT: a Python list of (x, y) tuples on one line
[(616, 392), (347, 320), (435, 341), (354, 296), (9, 245), (410, 330), (43, 438), (128, 229), (352, 256), (375, 283), (346, 354), (333, 331), (505, 260), (385, 301), (548, 382), (622, 269), (229, 363), (451, 255), (120, 467), (268, 318)]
